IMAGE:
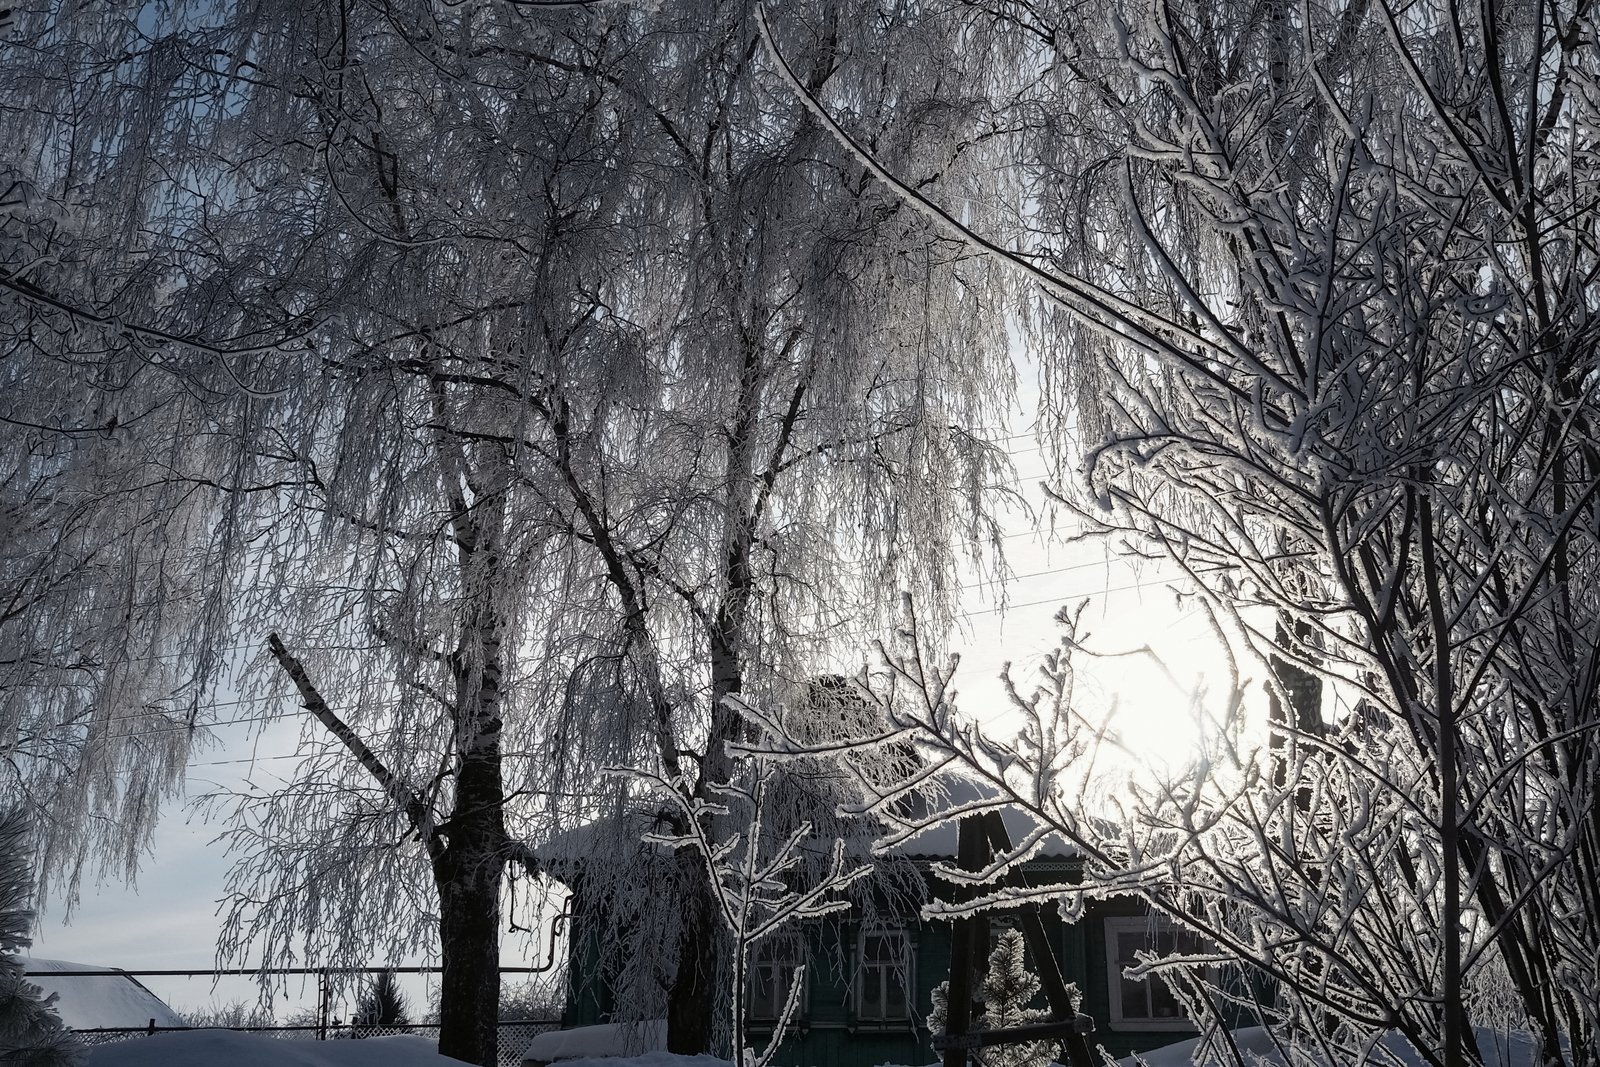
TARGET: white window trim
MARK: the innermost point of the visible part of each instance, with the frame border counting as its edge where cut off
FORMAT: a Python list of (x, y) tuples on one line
[(790, 964), (908, 978), (1133, 924)]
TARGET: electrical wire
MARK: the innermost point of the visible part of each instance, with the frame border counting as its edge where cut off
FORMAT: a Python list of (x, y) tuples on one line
[(243, 720)]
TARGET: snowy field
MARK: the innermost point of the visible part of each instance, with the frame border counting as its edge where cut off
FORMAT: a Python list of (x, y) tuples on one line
[(228, 1048), (1498, 1050), (210, 1048)]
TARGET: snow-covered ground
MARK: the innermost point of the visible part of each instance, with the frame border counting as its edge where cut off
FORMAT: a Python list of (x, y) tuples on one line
[(650, 1059), (1498, 1050), (607, 1040), (227, 1048), (210, 1048)]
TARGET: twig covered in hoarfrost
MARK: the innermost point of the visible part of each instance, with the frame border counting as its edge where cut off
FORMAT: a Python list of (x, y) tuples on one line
[(1272, 876), (1378, 462), (754, 870)]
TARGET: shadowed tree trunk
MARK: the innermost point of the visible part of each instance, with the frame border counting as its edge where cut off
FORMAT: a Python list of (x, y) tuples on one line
[(468, 851), (468, 879), (467, 873), (692, 1000)]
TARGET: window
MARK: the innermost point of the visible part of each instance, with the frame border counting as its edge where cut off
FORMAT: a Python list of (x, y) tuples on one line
[(884, 976), (1144, 1003), (772, 974)]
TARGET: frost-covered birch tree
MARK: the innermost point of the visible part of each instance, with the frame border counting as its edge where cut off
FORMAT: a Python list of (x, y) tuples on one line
[(384, 539), (1322, 277), (800, 430), (602, 386), (118, 429), (462, 204)]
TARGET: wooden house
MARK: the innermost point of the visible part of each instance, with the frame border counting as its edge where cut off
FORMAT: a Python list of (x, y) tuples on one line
[(869, 973)]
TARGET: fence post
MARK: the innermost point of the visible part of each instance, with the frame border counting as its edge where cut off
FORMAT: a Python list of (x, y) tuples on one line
[(151, 1029), (324, 1004)]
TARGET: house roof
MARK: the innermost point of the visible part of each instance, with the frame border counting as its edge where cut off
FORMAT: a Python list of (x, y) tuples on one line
[(108, 998), (618, 836), (951, 791)]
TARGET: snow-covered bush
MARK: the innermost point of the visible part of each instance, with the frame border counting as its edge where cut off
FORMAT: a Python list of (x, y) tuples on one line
[(531, 1001), (233, 1015), (31, 1034)]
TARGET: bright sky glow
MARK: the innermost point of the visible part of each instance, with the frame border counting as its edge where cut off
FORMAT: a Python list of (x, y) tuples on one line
[(1156, 670), (1156, 674)]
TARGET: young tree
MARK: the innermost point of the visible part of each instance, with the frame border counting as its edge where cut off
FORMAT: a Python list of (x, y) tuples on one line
[(1327, 269), (383, 1005), (759, 883), (1006, 991)]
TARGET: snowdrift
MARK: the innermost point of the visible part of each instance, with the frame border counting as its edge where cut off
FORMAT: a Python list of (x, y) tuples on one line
[(1498, 1049), (216, 1048)]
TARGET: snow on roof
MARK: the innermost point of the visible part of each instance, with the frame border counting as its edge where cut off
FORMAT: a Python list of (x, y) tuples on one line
[(612, 835), (951, 790), (87, 1001), (618, 836), (211, 1048)]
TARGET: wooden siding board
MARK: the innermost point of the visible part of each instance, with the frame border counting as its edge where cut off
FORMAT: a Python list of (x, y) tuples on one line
[(829, 1036)]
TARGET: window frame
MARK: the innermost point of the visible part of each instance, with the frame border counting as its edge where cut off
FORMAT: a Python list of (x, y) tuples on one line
[(1146, 925), (903, 971), (783, 959)]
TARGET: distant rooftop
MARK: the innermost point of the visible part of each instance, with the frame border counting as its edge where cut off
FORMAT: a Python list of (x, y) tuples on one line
[(108, 998)]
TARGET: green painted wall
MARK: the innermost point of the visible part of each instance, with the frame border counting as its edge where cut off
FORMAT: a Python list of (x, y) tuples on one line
[(830, 1035)]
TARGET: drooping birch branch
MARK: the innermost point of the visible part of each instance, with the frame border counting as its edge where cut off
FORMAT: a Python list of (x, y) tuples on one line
[(416, 811)]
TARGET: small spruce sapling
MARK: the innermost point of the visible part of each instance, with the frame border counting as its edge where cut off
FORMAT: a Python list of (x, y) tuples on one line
[(383, 1006), (939, 1017), (31, 1033), (1006, 990)]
